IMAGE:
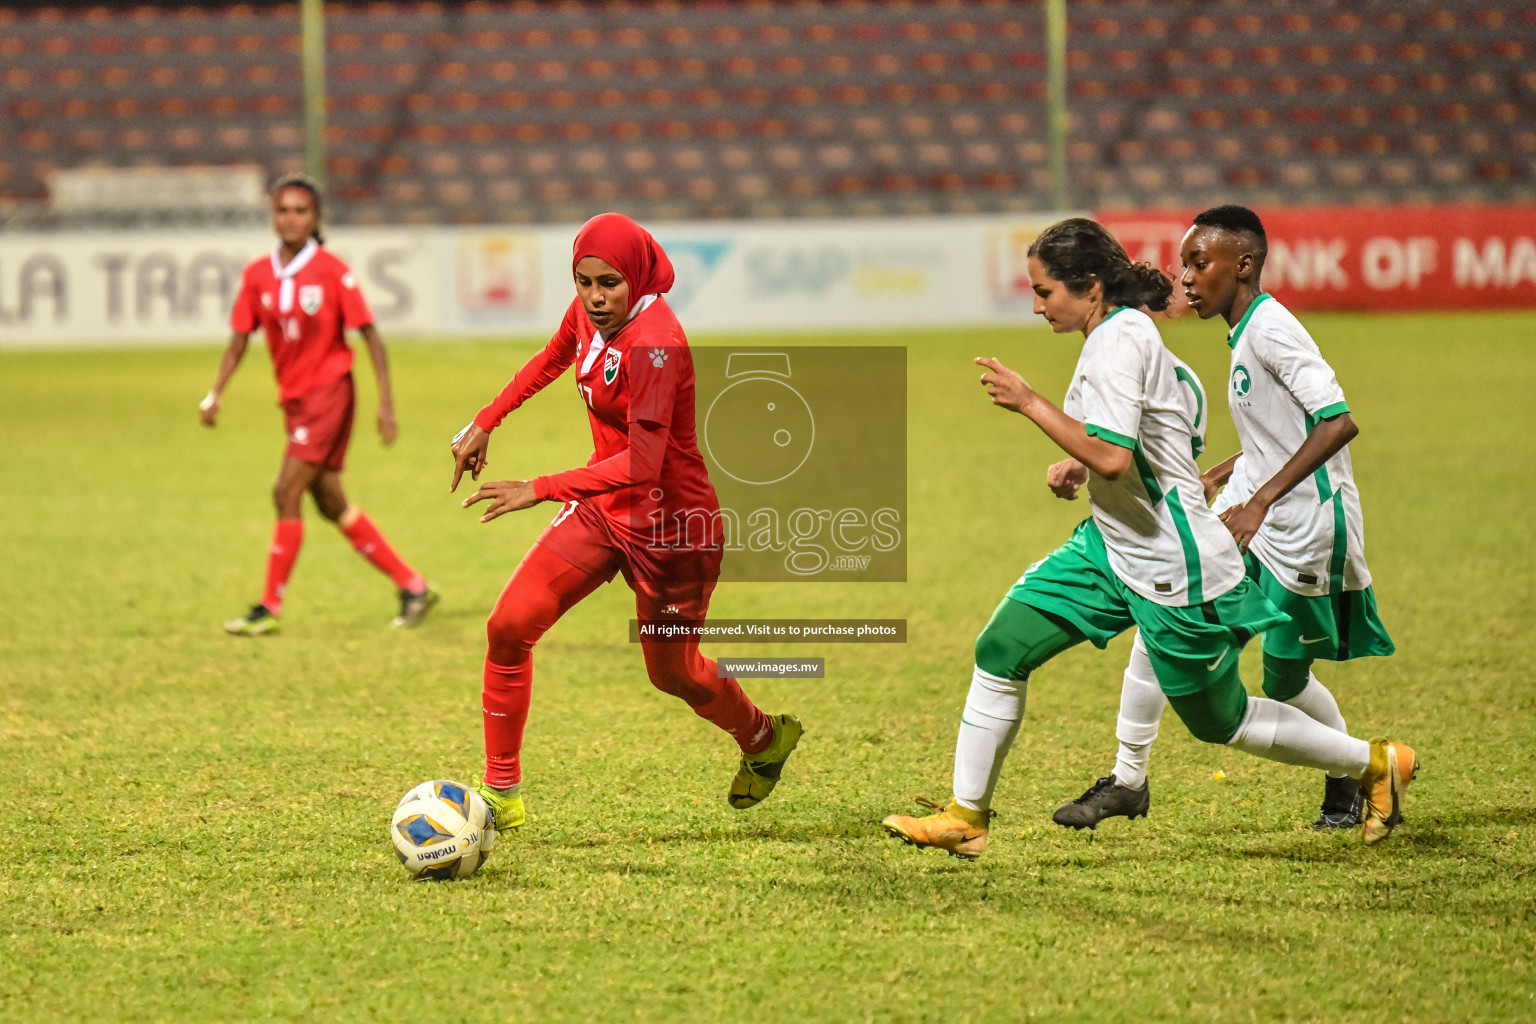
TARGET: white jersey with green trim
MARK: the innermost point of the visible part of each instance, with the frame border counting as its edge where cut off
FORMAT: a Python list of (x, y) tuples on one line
[(1313, 539), (1162, 540)]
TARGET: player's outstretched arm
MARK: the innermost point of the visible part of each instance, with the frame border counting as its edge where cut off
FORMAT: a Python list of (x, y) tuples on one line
[(1321, 445), (638, 463), (208, 408), (505, 496), (388, 428), (1009, 390), (542, 369)]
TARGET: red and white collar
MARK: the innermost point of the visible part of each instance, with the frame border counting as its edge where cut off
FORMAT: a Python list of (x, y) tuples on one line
[(596, 344), (285, 274)]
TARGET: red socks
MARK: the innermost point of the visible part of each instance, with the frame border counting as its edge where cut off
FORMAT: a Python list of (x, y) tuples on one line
[(733, 711), (287, 537), (370, 543), (508, 690), (504, 700), (679, 669)]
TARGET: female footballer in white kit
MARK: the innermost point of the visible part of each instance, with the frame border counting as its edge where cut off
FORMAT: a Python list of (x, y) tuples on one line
[(1151, 554), (1291, 504)]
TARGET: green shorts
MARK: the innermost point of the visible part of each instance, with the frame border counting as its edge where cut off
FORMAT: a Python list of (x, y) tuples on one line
[(1075, 583), (1330, 627)]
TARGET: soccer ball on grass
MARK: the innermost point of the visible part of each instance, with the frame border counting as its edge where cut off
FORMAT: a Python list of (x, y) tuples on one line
[(442, 830)]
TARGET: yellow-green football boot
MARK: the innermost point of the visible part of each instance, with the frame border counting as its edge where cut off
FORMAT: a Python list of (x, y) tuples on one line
[(760, 772), (506, 808), (256, 622)]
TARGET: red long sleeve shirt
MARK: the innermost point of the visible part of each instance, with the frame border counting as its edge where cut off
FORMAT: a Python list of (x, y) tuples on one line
[(646, 473)]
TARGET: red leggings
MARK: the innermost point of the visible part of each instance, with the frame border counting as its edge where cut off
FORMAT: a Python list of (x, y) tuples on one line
[(544, 587)]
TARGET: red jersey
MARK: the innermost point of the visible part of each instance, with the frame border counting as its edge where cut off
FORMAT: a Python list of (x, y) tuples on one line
[(305, 309), (646, 473)]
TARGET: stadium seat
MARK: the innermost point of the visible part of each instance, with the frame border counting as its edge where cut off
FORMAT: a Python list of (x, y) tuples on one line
[(915, 105), (1298, 174)]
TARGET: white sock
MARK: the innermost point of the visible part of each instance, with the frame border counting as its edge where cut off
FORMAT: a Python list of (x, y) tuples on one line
[(1318, 704), (1141, 709), (993, 710), (1279, 732)]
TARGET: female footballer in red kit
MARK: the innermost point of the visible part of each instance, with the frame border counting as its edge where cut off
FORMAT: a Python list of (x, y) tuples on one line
[(620, 512), (304, 300)]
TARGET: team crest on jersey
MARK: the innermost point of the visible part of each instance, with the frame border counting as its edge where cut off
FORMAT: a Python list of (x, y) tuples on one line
[(611, 365), (1242, 382), (310, 297)]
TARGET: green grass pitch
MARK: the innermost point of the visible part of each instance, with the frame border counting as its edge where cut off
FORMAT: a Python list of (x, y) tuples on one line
[(195, 826)]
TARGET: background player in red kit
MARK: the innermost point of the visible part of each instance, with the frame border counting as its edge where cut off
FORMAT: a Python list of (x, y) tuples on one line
[(635, 373), (304, 299)]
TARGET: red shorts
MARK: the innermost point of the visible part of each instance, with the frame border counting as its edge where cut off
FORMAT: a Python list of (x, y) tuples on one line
[(319, 423), (673, 583)]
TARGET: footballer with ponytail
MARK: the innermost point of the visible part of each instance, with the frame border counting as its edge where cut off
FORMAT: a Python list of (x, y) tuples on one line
[(1151, 554), (1078, 252)]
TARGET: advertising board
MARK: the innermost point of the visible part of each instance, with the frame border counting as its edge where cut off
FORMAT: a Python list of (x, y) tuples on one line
[(1372, 258), (134, 288)]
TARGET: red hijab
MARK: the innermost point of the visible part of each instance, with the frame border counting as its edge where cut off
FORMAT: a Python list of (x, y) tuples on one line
[(628, 248)]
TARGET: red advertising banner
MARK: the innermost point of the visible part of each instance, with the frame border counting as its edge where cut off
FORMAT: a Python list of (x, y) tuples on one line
[(1379, 258)]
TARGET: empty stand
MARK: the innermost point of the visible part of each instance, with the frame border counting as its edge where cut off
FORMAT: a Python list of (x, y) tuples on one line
[(521, 111)]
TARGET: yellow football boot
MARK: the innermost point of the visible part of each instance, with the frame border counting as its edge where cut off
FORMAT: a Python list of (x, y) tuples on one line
[(506, 808), (1386, 778), (759, 773), (958, 831), (256, 622)]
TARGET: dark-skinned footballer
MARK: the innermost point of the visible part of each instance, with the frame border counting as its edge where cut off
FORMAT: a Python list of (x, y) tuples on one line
[(1290, 502), (304, 300), (1151, 554)]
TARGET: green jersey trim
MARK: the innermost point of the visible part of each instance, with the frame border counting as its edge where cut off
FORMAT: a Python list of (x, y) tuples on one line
[(1189, 378), (1191, 552), (1237, 332), (1180, 522), (1320, 475), (1148, 478), (1197, 440), (1094, 430), (1108, 317), (1340, 547)]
